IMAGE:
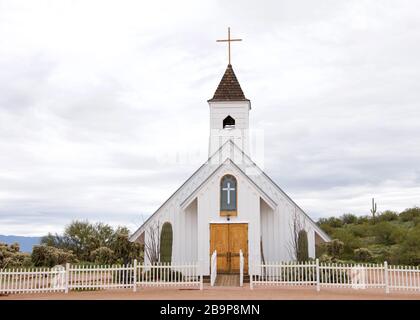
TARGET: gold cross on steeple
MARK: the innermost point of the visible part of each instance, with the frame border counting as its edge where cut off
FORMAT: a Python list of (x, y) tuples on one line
[(229, 40)]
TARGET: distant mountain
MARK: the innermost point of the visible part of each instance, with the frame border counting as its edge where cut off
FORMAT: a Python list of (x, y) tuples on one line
[(26, 243)]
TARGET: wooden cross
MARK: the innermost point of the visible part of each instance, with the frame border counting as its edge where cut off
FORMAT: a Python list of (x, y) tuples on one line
[(228, 40)]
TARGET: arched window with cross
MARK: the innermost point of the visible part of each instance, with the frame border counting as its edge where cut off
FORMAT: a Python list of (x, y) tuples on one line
[(228, 195)]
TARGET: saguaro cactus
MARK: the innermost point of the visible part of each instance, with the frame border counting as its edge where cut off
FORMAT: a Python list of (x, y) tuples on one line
[(374, 207)]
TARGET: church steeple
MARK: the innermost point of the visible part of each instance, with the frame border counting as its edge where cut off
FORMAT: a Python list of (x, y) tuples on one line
[(229, 114), (229, 88), (229, 110)]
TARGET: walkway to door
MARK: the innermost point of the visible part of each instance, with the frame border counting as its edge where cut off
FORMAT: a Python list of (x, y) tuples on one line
[(227, 280)]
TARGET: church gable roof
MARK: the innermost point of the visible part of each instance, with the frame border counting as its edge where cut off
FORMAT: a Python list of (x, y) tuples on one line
[(208, 168), (229, 88)]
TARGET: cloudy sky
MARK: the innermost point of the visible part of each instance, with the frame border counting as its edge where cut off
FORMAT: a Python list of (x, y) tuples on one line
[(103, 110)]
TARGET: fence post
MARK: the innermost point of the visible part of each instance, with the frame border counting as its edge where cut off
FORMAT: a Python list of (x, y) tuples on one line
[(201, 274), (251, 275), (66, 276), (386, 276), (318, 287), (135, 276)]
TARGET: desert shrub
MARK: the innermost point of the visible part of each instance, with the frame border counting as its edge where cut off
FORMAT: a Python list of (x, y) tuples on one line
[(382, 253), (334, 248), (14, 247), (410, 214), (409, 250), (302, 253), (325, 258), (348, 218), (320, 249), (387, 215), (329, 224), (125, 250), (363, 219), (326, 228), (334, 222), (416, 221), (45, 256), (387, 233), (350, 241), (363, 254), (11, 257), (360, 230), (103, 255), (82, 238)]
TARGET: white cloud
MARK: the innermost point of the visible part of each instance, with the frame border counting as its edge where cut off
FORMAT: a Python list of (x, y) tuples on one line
[(103, 108)]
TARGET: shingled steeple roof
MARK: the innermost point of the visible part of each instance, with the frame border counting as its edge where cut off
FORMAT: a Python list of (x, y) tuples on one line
[(229, 88)]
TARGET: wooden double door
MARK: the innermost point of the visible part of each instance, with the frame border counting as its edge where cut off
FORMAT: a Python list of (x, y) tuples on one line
[(227, 239)]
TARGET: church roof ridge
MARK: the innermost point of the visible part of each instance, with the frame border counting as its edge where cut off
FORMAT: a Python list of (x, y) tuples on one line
[(229, 88)]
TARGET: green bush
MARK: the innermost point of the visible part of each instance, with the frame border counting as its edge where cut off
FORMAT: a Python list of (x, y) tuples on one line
[(326, 228), (320, 249), (332, 222), (410, 214), (103, 255), (387, 233), (363, 255), (334, 248), (388, 215), (45, 256), (348, 218), (409, 250), (11, 257), (82, 238), (360, 230), (416, 221), (363, 219), (389, 237), (349, 240)]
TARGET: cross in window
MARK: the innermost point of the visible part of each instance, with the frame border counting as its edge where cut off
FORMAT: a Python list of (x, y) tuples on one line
[(228, 189)]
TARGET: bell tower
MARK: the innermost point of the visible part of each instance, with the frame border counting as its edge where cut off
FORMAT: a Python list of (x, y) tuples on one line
[(229, 114)]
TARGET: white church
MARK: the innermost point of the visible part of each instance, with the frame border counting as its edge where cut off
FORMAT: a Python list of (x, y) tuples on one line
[(229, 204)]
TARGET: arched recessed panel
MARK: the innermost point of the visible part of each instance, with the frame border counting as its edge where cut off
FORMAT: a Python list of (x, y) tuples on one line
[(302, 253), (166, 237)]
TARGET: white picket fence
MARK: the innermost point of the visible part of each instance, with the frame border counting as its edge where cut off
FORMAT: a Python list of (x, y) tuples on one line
[(356, 276), (310, 273), (88, 277), (165, 274), (213, 268), (32, 280)]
